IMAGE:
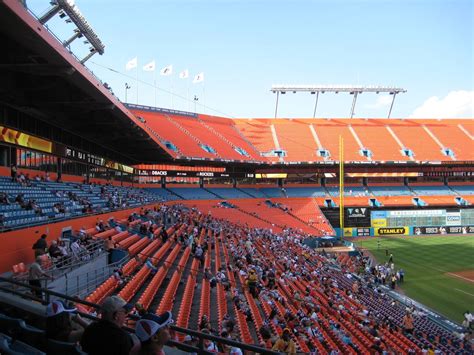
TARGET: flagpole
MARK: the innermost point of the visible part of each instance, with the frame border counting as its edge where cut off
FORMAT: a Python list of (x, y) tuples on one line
[(154, 84), (137, 83), (172, 98), (187, 94), (203, 99)]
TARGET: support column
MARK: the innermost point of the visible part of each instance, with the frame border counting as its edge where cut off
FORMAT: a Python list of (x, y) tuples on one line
[(12, 157), (60, 168), (316, 104), (391, 106), (88, 173), (353, 104), (276, 106)]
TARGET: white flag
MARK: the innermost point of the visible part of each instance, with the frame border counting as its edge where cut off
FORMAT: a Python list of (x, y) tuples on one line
[(131, 64), (150, 66), (184, 74), (168, 70), (198, 78)]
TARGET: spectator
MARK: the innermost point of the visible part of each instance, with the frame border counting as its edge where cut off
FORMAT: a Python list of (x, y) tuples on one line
[(204, 324), (76, 249), (61, 326), (13, 172), (106, 336), (153, 332), (54, 250), (35, 275), (109, 247), (285, 343), (4, 198), (41, 245), (408, 323), (468, 319), (252, 280)]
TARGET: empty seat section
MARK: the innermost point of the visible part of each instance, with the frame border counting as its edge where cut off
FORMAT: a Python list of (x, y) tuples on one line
[(305, 191), (296, 139), (329, 132), (452, 137), (208, 137), (228, 192), (414, 137), (191, 193), (464, 189), (258, 132), (170, 132), (227, 128), (431, 190), (375, 136), (398, 190)]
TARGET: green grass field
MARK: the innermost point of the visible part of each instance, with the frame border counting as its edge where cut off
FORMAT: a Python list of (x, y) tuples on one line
[(426, 260)]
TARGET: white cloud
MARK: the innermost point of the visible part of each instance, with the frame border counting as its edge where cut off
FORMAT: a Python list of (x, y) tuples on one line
[(382, 100), (457, 104)]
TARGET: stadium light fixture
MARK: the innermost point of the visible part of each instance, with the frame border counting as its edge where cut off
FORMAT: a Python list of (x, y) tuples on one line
[(351, 89), (68, 8)]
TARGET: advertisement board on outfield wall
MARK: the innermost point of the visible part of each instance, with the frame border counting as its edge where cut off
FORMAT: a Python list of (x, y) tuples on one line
[(357, 232), (379, 223), (391, 231), (443, 230)]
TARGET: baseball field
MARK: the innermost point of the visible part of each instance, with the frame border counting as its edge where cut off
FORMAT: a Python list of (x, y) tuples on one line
[(439, 270)]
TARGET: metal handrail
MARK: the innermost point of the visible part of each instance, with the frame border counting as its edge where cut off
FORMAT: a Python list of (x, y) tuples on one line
[(199, 335)]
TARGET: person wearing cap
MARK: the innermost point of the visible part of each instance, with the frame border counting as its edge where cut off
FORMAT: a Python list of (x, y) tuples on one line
[(153, 332), (106, 336), (61, 325), (285, 343)]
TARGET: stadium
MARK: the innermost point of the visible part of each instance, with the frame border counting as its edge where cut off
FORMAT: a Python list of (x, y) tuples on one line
[(133, 228)]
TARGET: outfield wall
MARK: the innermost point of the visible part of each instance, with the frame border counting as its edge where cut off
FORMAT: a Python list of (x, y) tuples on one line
[(405, 230)]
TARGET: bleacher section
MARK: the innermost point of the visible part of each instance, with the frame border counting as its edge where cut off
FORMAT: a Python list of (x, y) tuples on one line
[(178, 285), (305, 191), (394, 190), (391, 195), (301, 139), (72, 197), (190, 193), (431, 190)]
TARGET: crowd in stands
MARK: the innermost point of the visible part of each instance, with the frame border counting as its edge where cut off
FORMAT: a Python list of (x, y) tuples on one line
[(47, 200), (298, 299)]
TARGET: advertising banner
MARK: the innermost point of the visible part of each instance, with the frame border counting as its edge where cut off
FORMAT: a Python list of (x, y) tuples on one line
[(347, 232), (357, 212), (363, 232), (443, 230), (378, 214), (453, 218), (379, 222), (392, 231), (12, 136)]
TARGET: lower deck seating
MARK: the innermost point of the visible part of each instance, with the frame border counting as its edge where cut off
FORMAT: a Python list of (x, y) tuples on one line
[(307, 286)]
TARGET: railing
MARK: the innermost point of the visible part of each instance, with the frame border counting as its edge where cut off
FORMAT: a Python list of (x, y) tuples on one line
[(199, 349), (88, 282), (71, 217)]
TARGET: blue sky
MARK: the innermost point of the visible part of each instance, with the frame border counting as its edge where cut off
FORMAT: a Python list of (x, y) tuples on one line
[(243, 47)]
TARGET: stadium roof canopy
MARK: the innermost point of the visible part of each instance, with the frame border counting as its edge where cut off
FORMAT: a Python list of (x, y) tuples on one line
[(42, 80), (351, 89)]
